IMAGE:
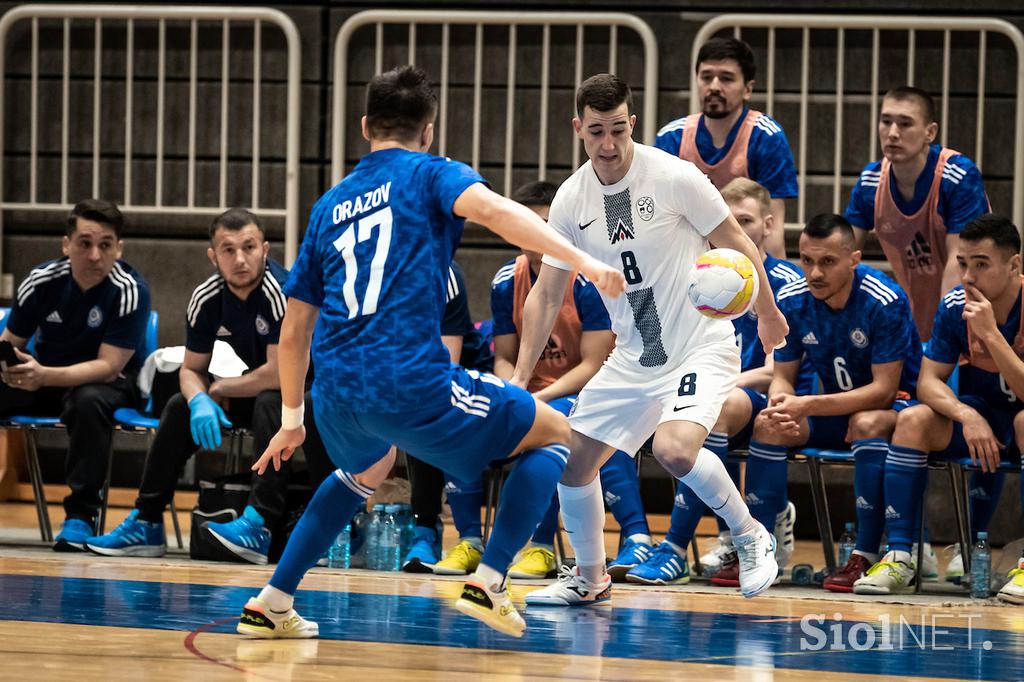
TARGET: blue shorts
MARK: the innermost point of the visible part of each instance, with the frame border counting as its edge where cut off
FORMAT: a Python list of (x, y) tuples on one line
[(997, 416), (758, 401), (484, 419), (829, 433)]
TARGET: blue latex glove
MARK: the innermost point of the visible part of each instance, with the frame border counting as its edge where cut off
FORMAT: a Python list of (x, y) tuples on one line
[(206, 421)]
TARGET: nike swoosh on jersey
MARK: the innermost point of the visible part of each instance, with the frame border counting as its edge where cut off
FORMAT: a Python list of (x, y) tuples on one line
[(583, 227), (684, 407)]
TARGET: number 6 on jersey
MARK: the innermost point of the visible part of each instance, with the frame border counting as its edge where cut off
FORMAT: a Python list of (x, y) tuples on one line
[(346, 244)]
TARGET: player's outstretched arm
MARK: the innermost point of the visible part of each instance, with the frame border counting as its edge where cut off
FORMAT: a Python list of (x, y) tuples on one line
[(771, 325), (539, 313), (522, 227), (292, 364)]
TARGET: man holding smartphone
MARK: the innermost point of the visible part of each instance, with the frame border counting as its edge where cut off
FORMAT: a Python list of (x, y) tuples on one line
[(88, 311)]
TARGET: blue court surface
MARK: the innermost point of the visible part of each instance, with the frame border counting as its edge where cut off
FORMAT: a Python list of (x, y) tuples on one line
[(951, 646)]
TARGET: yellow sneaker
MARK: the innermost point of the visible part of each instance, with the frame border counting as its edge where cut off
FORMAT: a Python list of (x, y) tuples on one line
[(494, 608), (1013, 591), (461, 559), (534, 562)]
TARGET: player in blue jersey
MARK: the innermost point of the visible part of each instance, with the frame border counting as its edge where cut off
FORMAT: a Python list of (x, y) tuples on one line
[(980, 325), (749, 203), (917, 199), (88, 312), (371, 276), (728, 139), (242, 304), (471, 349), (854, 325)]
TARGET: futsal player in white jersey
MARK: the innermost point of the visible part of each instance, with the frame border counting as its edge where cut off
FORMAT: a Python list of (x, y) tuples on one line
[(652, 215)]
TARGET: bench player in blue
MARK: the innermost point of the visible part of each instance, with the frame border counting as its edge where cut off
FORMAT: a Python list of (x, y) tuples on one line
[(855, 326), (371, 277), (979, 324), (750, 204)]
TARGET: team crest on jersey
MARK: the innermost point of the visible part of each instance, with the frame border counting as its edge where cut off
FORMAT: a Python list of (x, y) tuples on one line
[(261, 326), (859, 338), (645, 208), (95, 318), (618, 213)]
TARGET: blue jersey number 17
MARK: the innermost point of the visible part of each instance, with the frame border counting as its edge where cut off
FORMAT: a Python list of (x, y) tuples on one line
[(346, 244)]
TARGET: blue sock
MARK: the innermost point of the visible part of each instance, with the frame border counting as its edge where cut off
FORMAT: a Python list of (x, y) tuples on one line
[(766, 482), (718, 443), (622, 494), (465, 499), (984, 491), (906, 473), (333, 505), (869, 488), (545, 533), (523, 502)]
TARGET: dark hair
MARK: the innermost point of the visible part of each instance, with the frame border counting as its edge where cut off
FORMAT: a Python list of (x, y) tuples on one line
[(998, 228), (905, 93), (235, 219), (603, 92), (720, 49), (399, 103), (538, 193), (824, 225), (98, 210)]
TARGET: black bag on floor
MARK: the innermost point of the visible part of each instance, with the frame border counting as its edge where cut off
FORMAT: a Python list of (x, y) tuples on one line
[(221, 500)]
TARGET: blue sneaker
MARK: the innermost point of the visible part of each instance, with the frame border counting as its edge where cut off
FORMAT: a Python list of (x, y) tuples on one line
[(665, 567), (246, 536), (424, 553), (134, 537), (630, 556), (73, 535)]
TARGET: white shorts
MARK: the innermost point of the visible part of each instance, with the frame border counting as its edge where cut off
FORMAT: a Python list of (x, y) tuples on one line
[(622, 407)]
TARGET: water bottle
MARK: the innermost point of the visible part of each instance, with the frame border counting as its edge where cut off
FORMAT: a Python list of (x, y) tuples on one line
[(981, 567), (339, 555), (408, 528), (847, 543), (358, 542), (373, 538), (390, 540)]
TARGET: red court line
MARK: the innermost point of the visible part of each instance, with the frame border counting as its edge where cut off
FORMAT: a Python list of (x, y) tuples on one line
[(190, 645)]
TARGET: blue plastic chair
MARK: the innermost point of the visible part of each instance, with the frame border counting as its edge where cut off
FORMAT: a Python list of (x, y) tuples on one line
[(32, 424)]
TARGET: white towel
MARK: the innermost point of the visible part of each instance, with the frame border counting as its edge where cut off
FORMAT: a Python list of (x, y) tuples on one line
[(223, 363)]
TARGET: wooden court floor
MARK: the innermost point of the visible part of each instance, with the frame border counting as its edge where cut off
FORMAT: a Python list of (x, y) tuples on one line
[(83, 617)]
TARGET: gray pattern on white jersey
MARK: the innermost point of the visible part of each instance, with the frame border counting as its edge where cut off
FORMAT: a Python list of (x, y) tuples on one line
[(618, 215)]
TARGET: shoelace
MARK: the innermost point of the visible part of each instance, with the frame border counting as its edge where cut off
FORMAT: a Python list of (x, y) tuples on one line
[(460, 551), (747, 555), (883, 566), (530, 552), (566, 574)]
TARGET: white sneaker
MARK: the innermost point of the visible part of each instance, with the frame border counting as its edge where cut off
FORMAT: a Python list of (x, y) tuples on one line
[(493, 608), (712, 560), (955, 568), (1013, 591), (929, 565), (756, 554), (888, 576), (571, 589), (784, 523), (259, 621)]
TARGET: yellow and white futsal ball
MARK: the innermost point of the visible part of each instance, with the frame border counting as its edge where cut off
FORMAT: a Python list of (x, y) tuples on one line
[(723, 284)]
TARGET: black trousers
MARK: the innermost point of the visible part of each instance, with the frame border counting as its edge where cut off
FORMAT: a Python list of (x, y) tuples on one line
[(173, 445), (427, 482), (88, 413)]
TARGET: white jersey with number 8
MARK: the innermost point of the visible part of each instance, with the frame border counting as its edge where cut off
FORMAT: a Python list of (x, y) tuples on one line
[(652, 224)]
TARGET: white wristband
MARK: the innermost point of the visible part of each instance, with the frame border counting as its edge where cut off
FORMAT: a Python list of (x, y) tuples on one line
[(291, 417)]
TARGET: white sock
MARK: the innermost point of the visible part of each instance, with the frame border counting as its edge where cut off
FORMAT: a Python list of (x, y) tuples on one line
[(710, 481), (872, 558), (583, 520), (641, 538), (276, 600), (680, 551), (493, 579)]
